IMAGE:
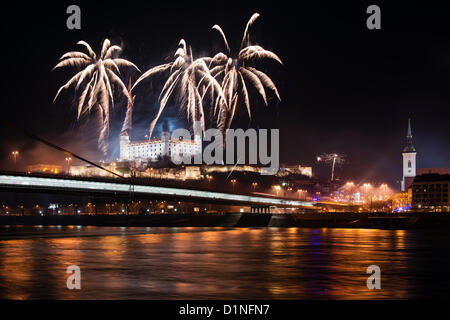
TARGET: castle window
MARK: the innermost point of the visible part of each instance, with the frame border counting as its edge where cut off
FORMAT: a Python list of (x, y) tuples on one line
[(409, 163)]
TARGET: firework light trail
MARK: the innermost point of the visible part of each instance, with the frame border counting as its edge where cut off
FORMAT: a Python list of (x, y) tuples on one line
[(334, 159), (96, 82), (235, 75), (128, 121), (189, 80)]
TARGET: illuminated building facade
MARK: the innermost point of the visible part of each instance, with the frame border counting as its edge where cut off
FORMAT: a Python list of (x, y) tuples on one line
[(44, 168), (409, 161), (295, 169), (154, 149), (430, 191), (402, 201)]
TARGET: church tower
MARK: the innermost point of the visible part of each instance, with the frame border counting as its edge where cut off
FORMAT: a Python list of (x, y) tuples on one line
[(409, 160)]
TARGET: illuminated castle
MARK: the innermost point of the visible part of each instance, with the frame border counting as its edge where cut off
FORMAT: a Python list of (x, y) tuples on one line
[(154, 149)]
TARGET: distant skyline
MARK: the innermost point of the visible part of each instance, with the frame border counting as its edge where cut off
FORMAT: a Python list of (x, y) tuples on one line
[(344, 88)]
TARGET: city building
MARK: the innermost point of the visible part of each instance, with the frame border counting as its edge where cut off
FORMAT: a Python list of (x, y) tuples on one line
[(230, 168), (409, 161), (444, 170), (154, 149), (45, 168), (401, 201), (295, 169), (176, 173), (430, 191)]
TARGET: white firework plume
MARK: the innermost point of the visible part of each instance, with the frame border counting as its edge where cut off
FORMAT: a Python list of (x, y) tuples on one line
[(95, 82), (128, 121), (236, 76), (334, 159), (189, 80)]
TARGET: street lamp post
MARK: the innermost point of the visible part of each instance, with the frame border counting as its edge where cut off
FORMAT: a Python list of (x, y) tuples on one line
[(233, 182), (277, 188), (68, 159), (383, 190), (366, 188), (15, 153)]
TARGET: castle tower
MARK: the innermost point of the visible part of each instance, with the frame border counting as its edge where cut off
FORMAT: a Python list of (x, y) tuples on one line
[(124, 146), (409, 160), (197, 144), (165, 140)]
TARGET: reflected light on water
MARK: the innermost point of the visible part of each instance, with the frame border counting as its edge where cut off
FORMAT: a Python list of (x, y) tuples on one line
[(219, 263)]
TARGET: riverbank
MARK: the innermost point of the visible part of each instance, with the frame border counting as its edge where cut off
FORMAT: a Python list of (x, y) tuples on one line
[(245, 220)]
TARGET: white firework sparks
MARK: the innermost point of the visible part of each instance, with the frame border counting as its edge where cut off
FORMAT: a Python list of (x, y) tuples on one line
[(236, 75), (190, 80), (96, 82), (334, 159)]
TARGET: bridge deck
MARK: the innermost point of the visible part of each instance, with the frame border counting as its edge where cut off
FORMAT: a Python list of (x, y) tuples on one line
[(79, 185)]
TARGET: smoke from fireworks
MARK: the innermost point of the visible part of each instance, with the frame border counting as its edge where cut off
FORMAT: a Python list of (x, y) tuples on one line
[(95, 82), (235, 75), (190, 79)]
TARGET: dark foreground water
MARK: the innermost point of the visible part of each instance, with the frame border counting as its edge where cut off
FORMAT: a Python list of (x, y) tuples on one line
[(218, 263)]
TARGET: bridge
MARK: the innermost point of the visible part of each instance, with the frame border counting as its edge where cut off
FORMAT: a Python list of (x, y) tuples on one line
[(16, 182)]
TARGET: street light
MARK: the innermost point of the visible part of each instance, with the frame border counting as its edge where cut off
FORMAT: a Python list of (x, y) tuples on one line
[(68, 159), (233, 181), (15, 153), (300, 192), (383, 190), (367, 186), (277, 188)]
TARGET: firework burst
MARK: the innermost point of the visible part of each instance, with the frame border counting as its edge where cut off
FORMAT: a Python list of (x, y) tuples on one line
[(189, 80), (236, 75), (96, 82), (332, 158)]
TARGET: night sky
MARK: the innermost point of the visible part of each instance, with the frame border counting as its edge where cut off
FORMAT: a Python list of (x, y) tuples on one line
[(344, 88)]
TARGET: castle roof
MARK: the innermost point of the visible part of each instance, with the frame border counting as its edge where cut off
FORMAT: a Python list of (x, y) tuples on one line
[(158, 140)]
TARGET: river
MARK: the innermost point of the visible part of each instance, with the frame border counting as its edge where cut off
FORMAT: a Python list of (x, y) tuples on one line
[(221, 263)]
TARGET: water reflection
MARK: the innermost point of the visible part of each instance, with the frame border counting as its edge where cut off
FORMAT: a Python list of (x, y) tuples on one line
[(219, 263)]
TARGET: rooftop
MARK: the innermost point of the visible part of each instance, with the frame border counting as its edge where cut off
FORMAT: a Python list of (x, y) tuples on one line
[(432, 177)]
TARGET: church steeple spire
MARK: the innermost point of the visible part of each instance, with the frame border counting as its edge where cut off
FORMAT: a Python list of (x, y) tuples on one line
[(409, 144), (409, 128)]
